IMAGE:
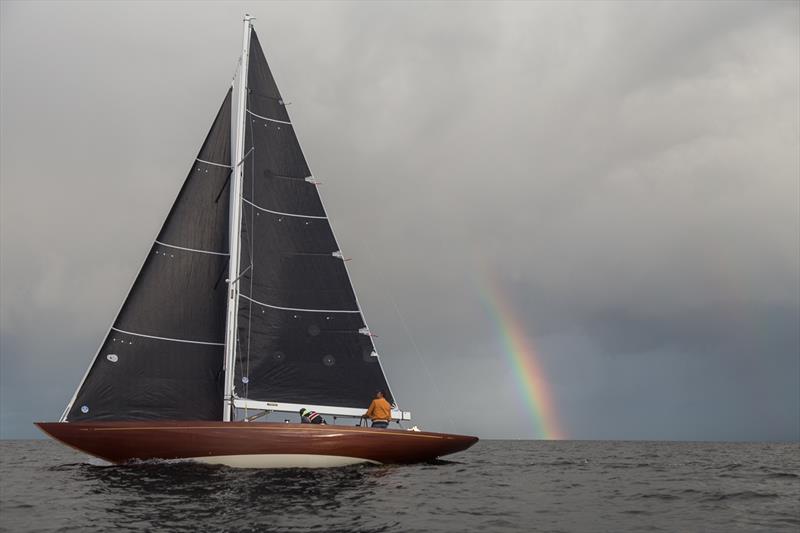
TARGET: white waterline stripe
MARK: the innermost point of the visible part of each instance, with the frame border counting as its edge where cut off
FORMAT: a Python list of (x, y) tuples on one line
[(168, 339), (279, 213), (212, 163), (298, 309), (190, 249), (269, 119), (280, 460)]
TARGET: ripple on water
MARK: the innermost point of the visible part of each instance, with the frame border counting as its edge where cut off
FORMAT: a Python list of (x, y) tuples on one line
[(497, 486)]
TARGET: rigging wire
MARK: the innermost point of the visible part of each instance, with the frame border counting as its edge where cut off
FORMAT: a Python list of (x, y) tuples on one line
[(237, 340), (244, 354), (236, 70), (407, 331), (252, 259), (245, 365)]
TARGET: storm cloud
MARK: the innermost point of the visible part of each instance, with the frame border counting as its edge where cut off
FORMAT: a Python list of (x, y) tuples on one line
[(628, 173)]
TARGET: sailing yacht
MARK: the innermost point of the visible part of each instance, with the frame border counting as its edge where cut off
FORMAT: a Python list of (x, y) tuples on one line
[(242, 309)]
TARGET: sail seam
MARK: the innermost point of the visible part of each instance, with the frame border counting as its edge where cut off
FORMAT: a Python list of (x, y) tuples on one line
[(245, 200), (298, 308), (212, 163), (269, 119), (168, 338), (190, 249)]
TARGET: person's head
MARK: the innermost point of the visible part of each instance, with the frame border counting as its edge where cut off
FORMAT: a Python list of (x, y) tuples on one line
[(379, 394), (302, 410)]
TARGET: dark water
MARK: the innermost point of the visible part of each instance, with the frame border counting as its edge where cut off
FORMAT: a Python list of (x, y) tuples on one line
[(496, 486)]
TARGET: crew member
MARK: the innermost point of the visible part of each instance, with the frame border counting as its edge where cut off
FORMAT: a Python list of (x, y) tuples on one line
[(380, 412), (311, 417)]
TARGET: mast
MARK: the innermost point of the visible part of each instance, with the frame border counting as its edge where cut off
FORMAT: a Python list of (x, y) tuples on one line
[(237, 161)]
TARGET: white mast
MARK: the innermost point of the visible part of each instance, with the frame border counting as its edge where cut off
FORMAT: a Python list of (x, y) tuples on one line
[(237, 162)]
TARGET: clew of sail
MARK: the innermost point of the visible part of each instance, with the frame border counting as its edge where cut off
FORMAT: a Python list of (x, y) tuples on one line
[(302, 337), (162, 358)]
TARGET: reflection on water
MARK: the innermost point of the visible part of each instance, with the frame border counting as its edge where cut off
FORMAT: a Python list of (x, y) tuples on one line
[(162, 493)]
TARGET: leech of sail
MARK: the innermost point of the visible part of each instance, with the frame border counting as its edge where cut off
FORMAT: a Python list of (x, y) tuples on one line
[(245, 200), (269, 119), (168, 338), (298, 309), (212, 163), (190, 249)]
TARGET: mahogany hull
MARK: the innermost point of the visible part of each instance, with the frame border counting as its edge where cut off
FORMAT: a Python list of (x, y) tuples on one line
[(253, 444)]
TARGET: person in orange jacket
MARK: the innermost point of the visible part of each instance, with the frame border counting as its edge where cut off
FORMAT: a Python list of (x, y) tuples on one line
[(380, 412)]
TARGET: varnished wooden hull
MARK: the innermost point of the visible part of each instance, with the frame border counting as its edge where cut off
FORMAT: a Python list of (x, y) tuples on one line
[(253, 444)]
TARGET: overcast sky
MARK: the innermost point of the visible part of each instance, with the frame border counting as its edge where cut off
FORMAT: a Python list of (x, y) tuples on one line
[(629, 173)]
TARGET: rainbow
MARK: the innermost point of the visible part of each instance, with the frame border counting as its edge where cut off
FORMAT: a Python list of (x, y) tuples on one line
[(523, 359)]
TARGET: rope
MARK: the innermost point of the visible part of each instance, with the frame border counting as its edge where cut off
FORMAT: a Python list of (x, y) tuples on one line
[(252, 260), (238, 341), (407, 331), (236, 70)]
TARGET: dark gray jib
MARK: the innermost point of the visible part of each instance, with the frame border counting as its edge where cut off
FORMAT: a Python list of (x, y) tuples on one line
[(163, 357)]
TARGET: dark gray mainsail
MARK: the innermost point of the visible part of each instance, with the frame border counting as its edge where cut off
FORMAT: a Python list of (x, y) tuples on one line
[(163, 357), (302, 338)]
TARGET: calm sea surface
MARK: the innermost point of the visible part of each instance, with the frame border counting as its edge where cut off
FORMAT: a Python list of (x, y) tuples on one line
[(495, 486)]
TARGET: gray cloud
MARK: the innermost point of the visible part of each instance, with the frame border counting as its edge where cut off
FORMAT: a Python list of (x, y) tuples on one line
[(628, 173)]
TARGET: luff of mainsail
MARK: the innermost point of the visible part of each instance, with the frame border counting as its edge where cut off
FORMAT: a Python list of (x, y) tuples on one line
[(302, 338), (162, 357)]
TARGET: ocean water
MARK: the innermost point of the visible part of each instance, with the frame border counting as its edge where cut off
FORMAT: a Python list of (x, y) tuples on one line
[(496, 486)]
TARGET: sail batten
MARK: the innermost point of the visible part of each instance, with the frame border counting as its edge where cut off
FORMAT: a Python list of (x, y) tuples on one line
[(224, 165), (299, 215), (188, 341), (269, 119), (189, 249), (301, 309)]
